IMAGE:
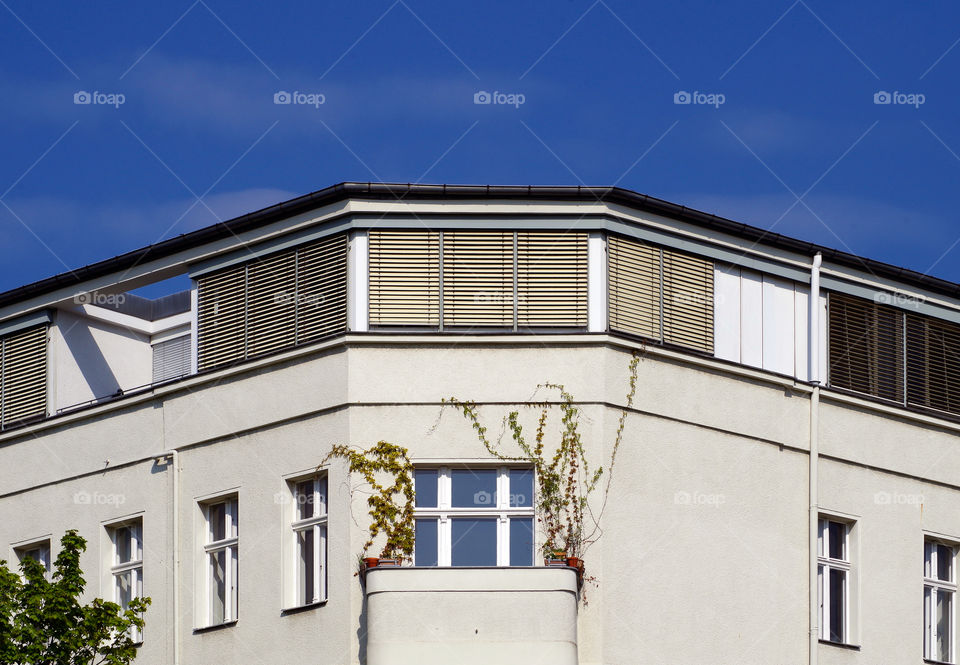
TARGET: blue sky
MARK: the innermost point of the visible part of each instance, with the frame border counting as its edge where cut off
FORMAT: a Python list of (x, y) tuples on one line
[(788, 136)]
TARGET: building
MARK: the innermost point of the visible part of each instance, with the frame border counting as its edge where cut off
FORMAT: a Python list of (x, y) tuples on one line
[(787, 490)]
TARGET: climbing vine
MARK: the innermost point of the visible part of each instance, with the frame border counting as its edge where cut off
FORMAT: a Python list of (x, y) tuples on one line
[(391, 505)]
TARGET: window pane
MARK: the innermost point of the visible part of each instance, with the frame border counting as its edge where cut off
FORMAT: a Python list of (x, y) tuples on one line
[(233, 584), (927, 621), (425, 550), (122, 539), (837, 604), (124, 590), (218, 591), (521, 541), (474, 488), (305, 546), (944, 632), (425, 483), (217, 517), (521, 488), (837, 538), (322, 494), (474, 541), (235, 520), (304, 497), (944, 563)]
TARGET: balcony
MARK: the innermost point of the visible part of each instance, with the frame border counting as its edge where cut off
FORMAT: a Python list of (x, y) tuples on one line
[(471, 615)]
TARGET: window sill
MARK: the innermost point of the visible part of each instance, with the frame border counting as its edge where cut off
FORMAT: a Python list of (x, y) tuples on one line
[(841, 645), (210, 629), (937, 662), (302, 608)]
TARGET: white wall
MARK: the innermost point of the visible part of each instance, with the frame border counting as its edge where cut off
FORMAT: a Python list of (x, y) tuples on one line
[(761, 321)]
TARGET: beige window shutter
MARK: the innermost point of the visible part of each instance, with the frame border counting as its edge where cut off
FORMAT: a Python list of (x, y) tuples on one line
[(478, 279), (634, 289), (23, 375), (551, 279), (933, 363), (322, 288), (865, 347), (221, 317), (271, 303), (404, 278), (687, 301)]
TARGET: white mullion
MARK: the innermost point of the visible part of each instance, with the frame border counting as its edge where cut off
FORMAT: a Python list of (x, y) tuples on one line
[(316, 563), (227, 582), (825, 590)]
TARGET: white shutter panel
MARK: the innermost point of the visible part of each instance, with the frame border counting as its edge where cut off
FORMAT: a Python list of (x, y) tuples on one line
[(404, 278), (171, 358), (478, 279), (23, 375), (551, 279)]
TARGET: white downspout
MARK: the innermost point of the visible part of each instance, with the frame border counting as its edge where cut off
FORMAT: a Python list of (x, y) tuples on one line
[(813, 358), (176, 556)]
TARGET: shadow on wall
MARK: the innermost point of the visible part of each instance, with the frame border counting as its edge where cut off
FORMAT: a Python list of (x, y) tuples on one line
[(362, 628), (90, 360)]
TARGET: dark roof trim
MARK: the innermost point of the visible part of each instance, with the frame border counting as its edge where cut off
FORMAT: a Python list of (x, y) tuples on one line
[(399, 192)]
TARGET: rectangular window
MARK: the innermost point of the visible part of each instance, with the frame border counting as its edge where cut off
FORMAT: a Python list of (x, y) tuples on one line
[(38, 551), (221, 560), (478, 287), (171, 358), (404, 278), (477, 516), (551, 279), (933, 363), (308, 541), (660, 294), (865, 347), (126, 566), (834, 580), (939, 601), (272, 303), (23, 376)]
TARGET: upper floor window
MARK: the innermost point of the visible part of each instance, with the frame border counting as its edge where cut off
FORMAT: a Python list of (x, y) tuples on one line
[(307, 542), (39, 551), (939, 600), (222, 562), (126, 566), (660, 294), (478, 279), (474, 516), (834, 579), (23, 376)]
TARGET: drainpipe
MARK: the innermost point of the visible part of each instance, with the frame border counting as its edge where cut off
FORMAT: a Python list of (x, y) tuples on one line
[(175, 456), (813, 358)]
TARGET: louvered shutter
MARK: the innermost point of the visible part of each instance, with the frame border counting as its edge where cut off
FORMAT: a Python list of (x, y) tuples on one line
[(634, 297), (171, 358), (551, 279), (687, 301), (933, 363), (271, 303), (221, 317), (23, 375), (322, 288), (865, 347), (477, 279), (404, 278)]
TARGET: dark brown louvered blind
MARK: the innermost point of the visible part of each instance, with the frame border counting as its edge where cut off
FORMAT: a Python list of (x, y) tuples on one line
[(660, 294), (23, 376), (404, 278), (478, 279), (865, 347), (273, 303), (551, 279), (933, 363)]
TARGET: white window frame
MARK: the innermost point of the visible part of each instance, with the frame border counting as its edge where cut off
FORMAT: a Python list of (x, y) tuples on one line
[(134, 566), (295, 526), (228, 545), (444, 512), (43, 549), (824, 565), (932, 585)]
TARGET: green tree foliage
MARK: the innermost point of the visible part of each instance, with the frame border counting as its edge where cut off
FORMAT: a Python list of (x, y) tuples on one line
[(42, 621)]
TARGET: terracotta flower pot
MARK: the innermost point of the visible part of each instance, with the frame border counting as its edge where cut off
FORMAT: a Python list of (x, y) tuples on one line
[(575, 562), (371, 562)]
